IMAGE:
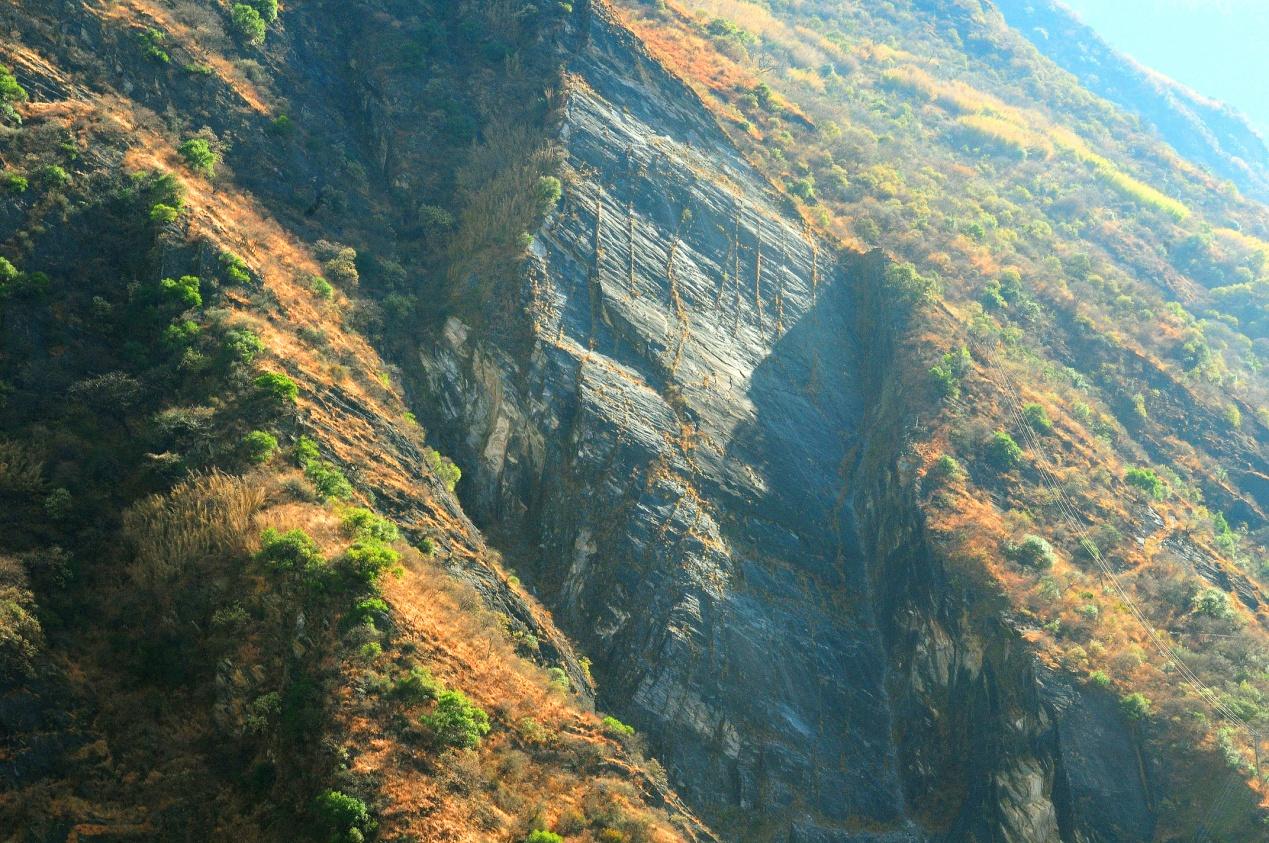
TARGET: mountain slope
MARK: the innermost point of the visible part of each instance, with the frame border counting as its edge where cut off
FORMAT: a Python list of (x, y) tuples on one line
[(173, 669), (1205, 131), (878, 414)]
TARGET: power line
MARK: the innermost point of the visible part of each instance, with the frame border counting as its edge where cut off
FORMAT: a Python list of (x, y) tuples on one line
[(1069, 513)]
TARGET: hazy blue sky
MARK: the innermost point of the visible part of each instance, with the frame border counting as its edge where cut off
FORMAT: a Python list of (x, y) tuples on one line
[(1219, 48)]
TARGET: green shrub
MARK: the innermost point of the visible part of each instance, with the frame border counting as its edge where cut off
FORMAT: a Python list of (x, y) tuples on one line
[(260, 446), (416, 686), (241, 346), (1002, 452), (321, 288), (614, 727), (1135, 706), (944, 469), (277, 387), (268, 9), (152, 46), (456, 721), (346, 817), (363, 524), (235, 268), (181, 334), (949, 372), (1037, 418), (52, 176), (11, 93), (543, 836), (365, 561), (13, 182), (291, 552), (181, 294), (200, 157), (1212, 603), (305, 451), (1032, 552), (329, 481), (164, 214), (20, 633), (1100, 679), (907, 287), (58, 504), (248, 24), (339, 263), (549, 192), (282, 126), (1148, 481), (444, 468)]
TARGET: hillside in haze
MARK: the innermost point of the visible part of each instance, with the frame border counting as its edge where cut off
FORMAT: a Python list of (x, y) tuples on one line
[(701, 420)]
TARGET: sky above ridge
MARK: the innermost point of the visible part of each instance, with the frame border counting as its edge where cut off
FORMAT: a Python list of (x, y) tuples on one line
[(1220, 48)]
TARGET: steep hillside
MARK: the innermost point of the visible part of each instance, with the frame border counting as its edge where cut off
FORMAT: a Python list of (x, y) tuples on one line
[(864, 411), (206, 633)]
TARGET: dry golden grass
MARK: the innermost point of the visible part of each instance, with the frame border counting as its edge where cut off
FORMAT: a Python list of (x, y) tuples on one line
[(490, 793), (206, 515), (141, 14)]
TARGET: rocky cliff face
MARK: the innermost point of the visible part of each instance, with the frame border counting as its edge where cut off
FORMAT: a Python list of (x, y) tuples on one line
[(690, 450)]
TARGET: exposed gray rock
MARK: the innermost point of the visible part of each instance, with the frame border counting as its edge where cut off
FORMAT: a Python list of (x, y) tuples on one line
[(676, 464)]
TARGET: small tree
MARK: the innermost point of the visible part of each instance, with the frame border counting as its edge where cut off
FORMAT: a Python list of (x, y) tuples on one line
[(456, 721)]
